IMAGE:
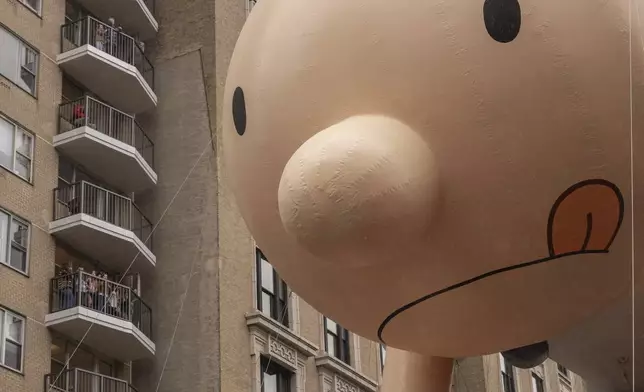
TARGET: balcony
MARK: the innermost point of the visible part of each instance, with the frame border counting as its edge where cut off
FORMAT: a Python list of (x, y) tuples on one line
[(109, 63), (122, 321), (79, 380), (108, 142), (136, 16), (103, 225)]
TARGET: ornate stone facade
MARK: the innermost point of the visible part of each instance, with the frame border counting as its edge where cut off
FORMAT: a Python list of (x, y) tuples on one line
[(282, 351), (280, 344)]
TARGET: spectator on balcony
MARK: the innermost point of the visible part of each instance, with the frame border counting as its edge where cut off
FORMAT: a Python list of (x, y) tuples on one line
[(65, 285), (83, 281), (78, 115), (138, 57), (111, 37), (91, 290), (100, 292), (74, 206), (100, 39), (114, 300), (125, 304)]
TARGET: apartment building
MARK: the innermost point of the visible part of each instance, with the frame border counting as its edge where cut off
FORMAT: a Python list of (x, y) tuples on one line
[(108, 125), (491, 373)]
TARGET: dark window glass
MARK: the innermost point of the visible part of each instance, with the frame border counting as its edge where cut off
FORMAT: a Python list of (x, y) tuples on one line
[(507, 375), (537, 383), (272, 292), (563, 371), (336, 341), (274, 377)]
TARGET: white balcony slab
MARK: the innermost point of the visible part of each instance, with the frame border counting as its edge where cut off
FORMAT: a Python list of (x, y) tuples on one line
[(112, 336), (117, 163), (133, 15), (119, 83), (110, 244)]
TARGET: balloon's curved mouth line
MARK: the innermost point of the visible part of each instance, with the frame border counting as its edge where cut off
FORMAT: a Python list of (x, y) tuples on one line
[(476, 279)]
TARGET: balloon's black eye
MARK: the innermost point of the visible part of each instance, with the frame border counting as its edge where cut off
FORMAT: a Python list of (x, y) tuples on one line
[(239, 111), (502, 19)]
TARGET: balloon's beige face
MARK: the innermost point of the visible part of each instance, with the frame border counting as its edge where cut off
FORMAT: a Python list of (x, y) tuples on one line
[(446, 176)]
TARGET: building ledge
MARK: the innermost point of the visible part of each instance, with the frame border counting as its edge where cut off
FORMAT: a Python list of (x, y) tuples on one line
[(258, 321), (341, 377), (113, 336)]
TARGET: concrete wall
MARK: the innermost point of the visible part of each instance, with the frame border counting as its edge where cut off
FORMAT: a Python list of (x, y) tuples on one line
[(29, 295), (185, 240)]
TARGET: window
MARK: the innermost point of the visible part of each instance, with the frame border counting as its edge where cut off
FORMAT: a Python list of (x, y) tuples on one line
[(16, 149), (274, 377), (507, 376), (18, 61), (336, 341), (537, 383), (12, 330), (563, 371), (272, 292), (14, 241), (34, 5), (383, 356)]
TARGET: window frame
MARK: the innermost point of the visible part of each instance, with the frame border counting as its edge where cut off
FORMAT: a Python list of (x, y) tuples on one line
[(23, 47), (383, 356), (7, 261), (18, 130), (38, 11), (23, 56), (563, 371), (4, 336), (284, 375), (538, 384), (509, 375), (279, 299), (250, 4), (342, 349)]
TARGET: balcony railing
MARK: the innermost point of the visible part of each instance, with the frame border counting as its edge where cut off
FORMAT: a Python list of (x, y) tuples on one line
[(79, 380), (90, 31), (107, 120), (102, 296), (151, 5), (85, 198)]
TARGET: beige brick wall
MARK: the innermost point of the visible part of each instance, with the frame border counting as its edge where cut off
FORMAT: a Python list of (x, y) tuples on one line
[(186, 236), (33, 202)]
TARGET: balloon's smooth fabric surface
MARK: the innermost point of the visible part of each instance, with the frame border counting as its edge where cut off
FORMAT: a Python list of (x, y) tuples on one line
[(430, 174)]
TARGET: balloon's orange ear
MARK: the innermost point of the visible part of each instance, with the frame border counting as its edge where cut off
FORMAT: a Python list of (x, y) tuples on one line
[(585, 218)]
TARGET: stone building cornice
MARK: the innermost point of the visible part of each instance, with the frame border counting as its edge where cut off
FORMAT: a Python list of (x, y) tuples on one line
[(259, 322), (337, 376)]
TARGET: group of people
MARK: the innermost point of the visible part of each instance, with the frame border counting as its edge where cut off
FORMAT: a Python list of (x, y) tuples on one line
[(93, 290), (109, 38)]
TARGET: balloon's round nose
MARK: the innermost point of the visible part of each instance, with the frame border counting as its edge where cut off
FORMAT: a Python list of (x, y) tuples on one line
[(358, 191)]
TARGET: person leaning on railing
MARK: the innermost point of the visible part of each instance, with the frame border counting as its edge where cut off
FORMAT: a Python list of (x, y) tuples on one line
[(78, 115), (65, 287), (100, 291), (114, 300), (91, 289), (82, 283)]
